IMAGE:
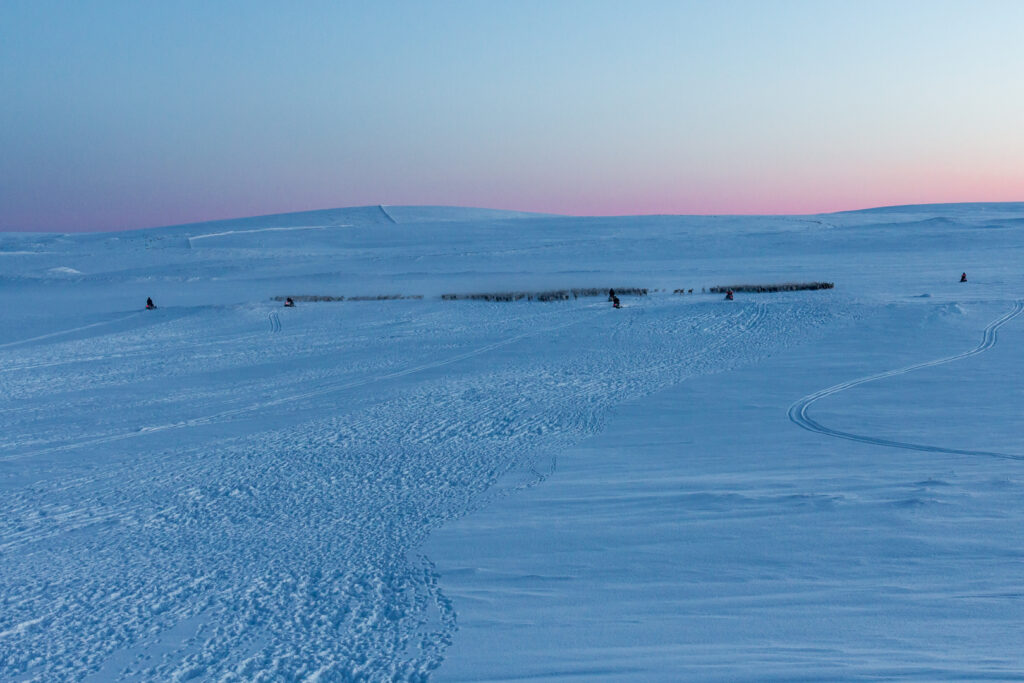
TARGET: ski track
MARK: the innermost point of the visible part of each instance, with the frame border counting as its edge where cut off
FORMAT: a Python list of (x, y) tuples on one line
[(323, 390), (65, 332), (798, 411), (202, 560), (109, 356)]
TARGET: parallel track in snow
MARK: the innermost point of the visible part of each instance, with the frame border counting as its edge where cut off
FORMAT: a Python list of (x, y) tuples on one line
[(328, 388), (798, 411), (61, 333)]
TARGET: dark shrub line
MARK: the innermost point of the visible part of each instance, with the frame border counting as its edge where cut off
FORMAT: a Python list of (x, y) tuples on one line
[(384, 297), (551, 295), (783, 287), (317, 297), (564, 294)]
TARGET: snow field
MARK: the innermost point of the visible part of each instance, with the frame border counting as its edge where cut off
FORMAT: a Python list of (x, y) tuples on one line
[(225, 489), (296, 541), (701, 536)]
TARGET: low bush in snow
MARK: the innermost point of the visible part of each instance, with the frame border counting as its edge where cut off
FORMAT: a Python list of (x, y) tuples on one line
[(782, 287), (320, 297), (550, 295)]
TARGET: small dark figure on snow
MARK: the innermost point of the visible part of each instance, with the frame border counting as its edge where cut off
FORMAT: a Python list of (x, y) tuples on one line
[(288, 303), (615, 302), (963, 277), (149, 304), (728, 295), (611, 295)]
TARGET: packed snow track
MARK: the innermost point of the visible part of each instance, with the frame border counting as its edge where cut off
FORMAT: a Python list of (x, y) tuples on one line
[(798, 411)]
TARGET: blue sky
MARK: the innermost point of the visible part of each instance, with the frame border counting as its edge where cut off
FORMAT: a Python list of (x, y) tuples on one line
[(130, 114)]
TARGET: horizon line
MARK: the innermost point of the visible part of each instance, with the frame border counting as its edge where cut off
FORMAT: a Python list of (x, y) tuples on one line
[(538, 214)]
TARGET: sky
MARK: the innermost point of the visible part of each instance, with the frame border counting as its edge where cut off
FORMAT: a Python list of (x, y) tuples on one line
[(118, 115)]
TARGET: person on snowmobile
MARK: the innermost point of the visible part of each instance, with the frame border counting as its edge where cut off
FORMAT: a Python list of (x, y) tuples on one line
[(615, 302), (149, 304), (963, 277), (728, 295), (288, 303)]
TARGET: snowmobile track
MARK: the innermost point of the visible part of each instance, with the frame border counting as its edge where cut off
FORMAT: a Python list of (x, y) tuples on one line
[(340, 593), (61, 333), (798, 411), (320, 391)]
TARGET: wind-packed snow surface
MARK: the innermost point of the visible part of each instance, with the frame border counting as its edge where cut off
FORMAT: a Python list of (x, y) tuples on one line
[(820, 485)]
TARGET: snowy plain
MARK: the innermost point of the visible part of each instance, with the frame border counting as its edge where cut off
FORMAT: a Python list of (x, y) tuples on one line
[(821, 485)]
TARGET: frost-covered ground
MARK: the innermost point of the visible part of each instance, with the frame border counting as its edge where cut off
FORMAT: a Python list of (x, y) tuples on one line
[(812, 485)]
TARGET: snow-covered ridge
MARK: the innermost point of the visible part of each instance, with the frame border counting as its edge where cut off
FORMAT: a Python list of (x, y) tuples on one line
[(967, 209), (343, 217)]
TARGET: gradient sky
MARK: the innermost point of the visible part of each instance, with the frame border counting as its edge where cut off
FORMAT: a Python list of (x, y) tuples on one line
[(132, 114)]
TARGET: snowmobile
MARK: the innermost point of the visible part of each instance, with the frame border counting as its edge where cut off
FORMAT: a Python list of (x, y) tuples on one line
[(729, 295), (288, 303), (963, 277), (615, 302), (149, 304)]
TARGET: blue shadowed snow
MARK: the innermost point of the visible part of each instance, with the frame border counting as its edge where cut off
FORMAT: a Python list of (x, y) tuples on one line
[(813, 485)]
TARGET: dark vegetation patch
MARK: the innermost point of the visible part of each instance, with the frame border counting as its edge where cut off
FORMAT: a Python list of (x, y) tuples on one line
[(320, 297), (562, 294), (781, 287), (550, 295)]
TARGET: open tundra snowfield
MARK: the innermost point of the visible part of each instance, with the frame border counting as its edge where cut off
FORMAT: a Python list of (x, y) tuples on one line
[(805, 485)]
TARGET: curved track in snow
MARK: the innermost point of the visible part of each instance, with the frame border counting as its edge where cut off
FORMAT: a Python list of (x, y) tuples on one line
[(798, 411)]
